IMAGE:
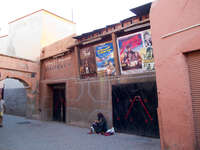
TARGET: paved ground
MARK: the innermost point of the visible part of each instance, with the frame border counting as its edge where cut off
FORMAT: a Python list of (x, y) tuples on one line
[(21, 134)]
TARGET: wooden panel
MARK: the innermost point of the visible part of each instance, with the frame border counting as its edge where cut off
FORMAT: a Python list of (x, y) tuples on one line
[(193, 60), (116, 54)]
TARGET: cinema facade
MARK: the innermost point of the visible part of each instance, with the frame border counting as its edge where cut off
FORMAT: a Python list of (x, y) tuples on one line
[(109, 70)]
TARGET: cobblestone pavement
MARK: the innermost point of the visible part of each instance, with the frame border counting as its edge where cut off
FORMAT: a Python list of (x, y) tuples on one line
[(22, 134)]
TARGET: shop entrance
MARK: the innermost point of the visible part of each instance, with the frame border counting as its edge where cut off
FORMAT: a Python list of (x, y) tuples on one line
[(59, 103), (135, 109)]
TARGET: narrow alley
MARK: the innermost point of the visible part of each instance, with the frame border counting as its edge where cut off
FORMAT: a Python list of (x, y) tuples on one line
[(19, 133)]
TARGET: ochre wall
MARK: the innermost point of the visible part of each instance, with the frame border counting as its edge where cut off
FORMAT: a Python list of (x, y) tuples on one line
[(175, 109)]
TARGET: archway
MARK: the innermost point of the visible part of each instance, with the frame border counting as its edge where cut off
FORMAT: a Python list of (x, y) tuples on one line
[(28, 73), (18, 94)]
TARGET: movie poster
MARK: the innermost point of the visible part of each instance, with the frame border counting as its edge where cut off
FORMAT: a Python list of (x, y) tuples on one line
[(105, 59), (148, 58), (136, 53), (87, 62)]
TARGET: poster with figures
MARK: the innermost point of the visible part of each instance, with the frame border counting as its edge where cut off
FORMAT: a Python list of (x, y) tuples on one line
[(87, 62), (135, 53), (148, 58), (105, 59)]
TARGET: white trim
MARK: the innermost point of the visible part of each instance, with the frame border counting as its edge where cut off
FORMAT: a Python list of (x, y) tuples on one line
[(181, 30)]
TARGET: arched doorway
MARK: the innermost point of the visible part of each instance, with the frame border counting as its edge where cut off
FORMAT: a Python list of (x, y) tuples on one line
[(16, 93)]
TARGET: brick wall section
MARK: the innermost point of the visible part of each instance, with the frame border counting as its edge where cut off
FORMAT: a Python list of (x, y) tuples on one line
[(46, 102), (55, 70), (27, 72), (18, 64), (62, 67), (57, 47), (85, 98)]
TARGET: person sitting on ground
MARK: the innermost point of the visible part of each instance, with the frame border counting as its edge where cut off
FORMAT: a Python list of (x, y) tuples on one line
[(2, 109), (100, 125)]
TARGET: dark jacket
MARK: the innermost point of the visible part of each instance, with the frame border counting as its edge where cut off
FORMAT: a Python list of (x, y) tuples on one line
[(101, 126)]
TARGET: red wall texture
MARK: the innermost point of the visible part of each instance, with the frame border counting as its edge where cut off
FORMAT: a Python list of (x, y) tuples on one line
[(59, 68), (28, 73), (84, 97), (57, 47), (175, 104)]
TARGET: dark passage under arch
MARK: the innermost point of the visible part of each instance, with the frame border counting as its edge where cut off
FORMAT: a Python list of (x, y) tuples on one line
[(14, 93)]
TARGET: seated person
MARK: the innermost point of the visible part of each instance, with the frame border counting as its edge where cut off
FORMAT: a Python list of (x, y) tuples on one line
[(100, 125)]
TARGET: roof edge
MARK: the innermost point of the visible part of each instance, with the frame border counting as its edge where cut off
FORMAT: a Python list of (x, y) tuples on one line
[(142, 9), (14, 57), (114, 31), (40, 11)]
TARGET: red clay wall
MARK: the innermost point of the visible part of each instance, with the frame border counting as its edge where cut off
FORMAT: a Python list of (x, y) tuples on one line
[(54, 71), (28, 73), (84, 97), (175, 111), (59, 68), (57, 47)]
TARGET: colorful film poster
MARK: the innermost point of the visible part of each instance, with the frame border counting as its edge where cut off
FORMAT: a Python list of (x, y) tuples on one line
[(105, 59), (148, 58), (136, 53), (87, 62)]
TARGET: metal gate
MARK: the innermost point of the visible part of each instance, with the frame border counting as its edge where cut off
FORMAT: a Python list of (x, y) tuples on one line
[(16, 101), (135, 109)]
